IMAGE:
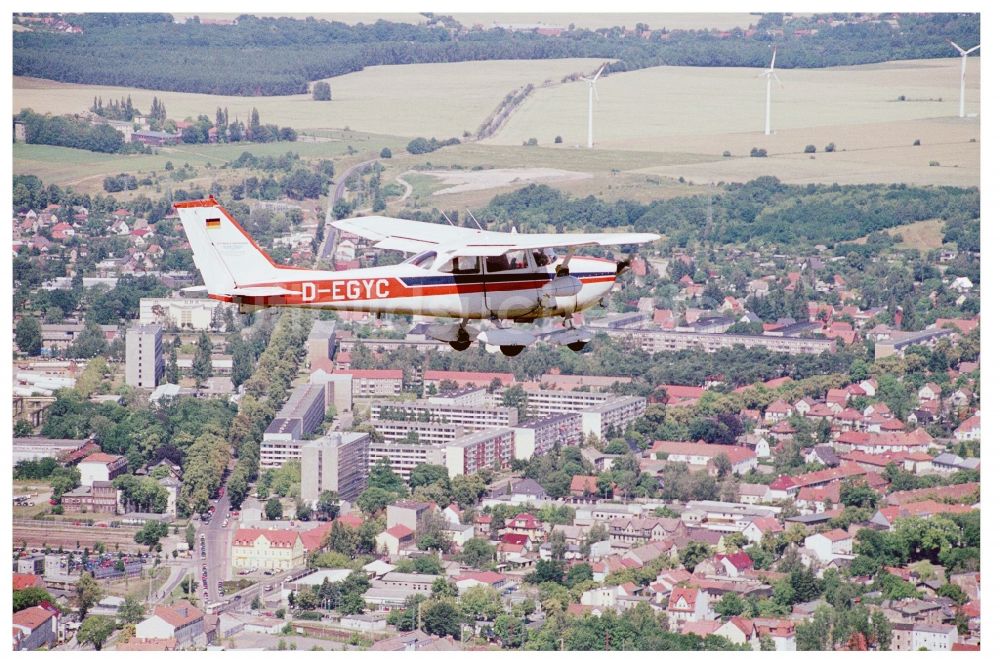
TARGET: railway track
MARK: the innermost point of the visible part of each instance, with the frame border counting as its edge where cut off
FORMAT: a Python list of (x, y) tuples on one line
[(36, 533)]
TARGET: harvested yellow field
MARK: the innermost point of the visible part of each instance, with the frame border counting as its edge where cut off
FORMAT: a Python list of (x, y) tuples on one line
[(712, 110), (441, 100), (660, 106)]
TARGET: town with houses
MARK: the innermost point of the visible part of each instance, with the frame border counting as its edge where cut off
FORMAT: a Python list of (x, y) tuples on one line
[(771, 442), (542, 497)]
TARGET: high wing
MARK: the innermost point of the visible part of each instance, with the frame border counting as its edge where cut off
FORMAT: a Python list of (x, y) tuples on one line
[(411, 236)]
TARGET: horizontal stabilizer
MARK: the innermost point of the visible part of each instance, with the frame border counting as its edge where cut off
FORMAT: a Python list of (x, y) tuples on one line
[(194, 290)]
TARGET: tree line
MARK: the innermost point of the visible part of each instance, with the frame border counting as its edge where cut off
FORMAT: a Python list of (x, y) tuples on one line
[(280, 56), (761, 210), (71, 132)]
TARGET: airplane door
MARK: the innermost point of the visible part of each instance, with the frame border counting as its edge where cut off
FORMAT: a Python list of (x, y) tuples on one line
[(511, 285), (468, 275)]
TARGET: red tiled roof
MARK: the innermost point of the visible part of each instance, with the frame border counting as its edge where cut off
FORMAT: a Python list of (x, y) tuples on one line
[(488, 577), (399, 531), (33, 617), (179, 615), (23, 581), (277, 538), (583, 484), (100, 458)]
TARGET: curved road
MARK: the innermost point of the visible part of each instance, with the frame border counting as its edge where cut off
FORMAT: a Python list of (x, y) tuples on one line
[(326, 252)]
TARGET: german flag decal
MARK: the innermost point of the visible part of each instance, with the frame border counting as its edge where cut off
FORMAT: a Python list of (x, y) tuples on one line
[(213, 223)]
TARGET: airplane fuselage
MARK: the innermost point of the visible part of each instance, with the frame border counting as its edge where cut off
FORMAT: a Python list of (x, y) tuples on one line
[(412, 290)]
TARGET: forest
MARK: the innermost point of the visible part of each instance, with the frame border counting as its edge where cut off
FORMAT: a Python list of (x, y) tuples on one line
[(280, 56), (761, 210)]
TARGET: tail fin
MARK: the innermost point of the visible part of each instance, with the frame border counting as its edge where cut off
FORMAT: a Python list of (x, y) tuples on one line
[(224, 253)]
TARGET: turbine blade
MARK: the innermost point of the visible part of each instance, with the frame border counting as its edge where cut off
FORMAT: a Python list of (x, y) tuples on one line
[(597, 98), (599, 72), (774, 54), (974, 48), (959, 48)]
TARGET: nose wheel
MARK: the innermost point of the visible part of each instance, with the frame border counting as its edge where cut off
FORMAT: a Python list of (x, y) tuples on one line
[(511, 350), (577, 346), (460, 345)]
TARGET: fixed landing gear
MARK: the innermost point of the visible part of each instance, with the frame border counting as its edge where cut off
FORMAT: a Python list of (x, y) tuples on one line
[(511, 350), (462, 340), (578, 345)]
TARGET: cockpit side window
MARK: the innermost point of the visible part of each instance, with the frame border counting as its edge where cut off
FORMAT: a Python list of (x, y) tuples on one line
[(424, 259), (461, 265), (511, 261), (543, 256)]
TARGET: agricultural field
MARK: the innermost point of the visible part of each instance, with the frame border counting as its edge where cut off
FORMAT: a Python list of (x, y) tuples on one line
[(441, 100), (665, 108)]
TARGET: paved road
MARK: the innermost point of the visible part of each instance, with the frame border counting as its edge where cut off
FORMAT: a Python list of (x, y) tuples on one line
[(177, 574), (326, 252), (217, 539)]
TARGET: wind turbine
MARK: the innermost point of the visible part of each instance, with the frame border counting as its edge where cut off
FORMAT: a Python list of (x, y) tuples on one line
[(769, 74), (961, 91), (591, 93)]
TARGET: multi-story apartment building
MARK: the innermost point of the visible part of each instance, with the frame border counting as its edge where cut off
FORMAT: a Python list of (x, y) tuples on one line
[(403, 457), (617, 412), (144, 356), (374, 383), (475, 417), (307, 403), (337, 462), (658, 340), (282, 441), (540, 435), (427, 432), (486, 449), (321, 343)]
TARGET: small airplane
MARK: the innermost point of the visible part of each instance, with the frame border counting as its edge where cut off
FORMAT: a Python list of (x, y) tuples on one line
[(456, 272)]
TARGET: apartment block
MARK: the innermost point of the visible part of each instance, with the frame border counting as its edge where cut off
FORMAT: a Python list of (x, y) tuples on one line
[(307, 404), (539, 436), (337, 462), (476, 417), (653, 341), (429, 432), (615, 413), (144, 356), (487, 449), (374, 383), (321, 344), (403, 457)]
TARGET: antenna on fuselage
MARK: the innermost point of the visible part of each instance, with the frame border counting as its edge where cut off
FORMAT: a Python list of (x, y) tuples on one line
[(474, 219)]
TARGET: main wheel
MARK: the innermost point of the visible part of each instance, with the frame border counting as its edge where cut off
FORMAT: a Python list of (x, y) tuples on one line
[(577, 346), (511, 350), (460, 345)]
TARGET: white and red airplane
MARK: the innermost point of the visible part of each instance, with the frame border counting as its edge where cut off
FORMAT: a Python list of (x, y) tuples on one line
[(458, 273)]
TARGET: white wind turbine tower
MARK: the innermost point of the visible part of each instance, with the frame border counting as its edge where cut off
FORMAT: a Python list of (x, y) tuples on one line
[(769, 74), (961, 91), (591, 93)]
